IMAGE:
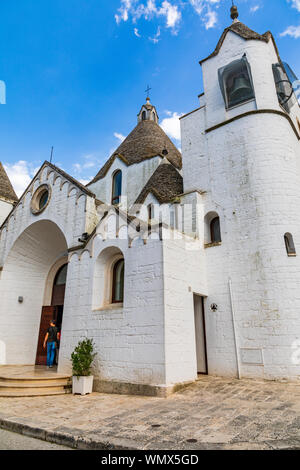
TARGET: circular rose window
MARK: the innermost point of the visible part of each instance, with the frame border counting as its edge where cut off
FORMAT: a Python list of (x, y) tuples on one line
[(40, 199)]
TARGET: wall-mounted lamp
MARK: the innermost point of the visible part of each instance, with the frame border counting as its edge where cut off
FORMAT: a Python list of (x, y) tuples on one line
[(83, 237)]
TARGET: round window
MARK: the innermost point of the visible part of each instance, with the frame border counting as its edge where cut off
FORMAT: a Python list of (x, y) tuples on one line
[(40, 199)]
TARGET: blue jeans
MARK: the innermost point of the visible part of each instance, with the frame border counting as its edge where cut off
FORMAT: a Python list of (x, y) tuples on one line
[(51, 347)]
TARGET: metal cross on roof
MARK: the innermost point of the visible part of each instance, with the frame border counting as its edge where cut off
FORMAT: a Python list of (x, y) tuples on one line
[(147, 91)]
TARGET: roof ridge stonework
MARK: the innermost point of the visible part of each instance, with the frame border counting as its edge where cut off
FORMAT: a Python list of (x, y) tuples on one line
[(146, 140), (68, 177), (6, 188), (244, 32)]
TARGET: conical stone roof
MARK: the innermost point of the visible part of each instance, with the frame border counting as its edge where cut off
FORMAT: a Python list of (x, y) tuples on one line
[(6, 189), (166, 183), (147, 140)]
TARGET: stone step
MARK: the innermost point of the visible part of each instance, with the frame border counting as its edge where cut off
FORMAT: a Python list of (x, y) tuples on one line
[(14, 393), (34, 377), (4, 383), (31, 381)]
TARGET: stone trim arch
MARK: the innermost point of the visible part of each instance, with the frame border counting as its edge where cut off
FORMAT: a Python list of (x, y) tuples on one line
[(85, 251), (102, 278), (50, 279)]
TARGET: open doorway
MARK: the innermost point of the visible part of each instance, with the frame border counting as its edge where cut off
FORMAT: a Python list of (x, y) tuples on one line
[(200, 335), (52, 312)]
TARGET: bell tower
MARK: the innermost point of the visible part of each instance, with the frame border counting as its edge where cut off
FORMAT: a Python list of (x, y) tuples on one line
[(148, 112), (241, 149)]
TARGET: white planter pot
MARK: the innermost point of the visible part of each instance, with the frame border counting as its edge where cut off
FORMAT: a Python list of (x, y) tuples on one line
[(82, 385)]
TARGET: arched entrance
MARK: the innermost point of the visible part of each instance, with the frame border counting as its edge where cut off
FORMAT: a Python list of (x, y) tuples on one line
[(52, 312), (22, 288)]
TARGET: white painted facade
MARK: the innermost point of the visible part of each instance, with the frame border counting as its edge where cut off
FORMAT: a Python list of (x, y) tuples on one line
[(247, 172), (250, 172), (5, 208)]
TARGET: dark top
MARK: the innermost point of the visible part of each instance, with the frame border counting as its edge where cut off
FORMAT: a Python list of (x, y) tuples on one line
[(52, 332)]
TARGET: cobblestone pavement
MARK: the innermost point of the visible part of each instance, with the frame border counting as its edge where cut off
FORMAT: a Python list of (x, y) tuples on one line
[(213, 413)]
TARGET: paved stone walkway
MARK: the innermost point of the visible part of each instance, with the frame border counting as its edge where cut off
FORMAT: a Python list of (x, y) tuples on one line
[(13, 441), (211, 414)]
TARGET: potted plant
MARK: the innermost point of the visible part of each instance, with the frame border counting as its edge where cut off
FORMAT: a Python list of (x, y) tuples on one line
[(82, 359)]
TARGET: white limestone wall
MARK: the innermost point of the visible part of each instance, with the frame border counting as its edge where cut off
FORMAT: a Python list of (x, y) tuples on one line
[(182, 215), (5, 209), (195, 166), (161, 212), (184, 275), (206, 172), (250, 172), (129, 339), (134, 178)]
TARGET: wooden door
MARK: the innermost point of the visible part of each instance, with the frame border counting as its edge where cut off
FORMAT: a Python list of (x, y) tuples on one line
[(48, 314), (200, 335)]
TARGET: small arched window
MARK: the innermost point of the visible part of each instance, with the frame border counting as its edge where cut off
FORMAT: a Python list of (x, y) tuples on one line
[(150, 209), (215, 230), (144, 115), (116, 187), (289, 244), (118, 282)]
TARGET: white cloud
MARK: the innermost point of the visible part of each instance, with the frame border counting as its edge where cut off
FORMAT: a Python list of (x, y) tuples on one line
[(254, 9), (292, 31), (78, 168), (170, 11), (210, 19), (204, 8), (136, 32), (295, 4), (85, 181), (171, 125), (122, 14), (201, 5), (120, 137), (20, 175)]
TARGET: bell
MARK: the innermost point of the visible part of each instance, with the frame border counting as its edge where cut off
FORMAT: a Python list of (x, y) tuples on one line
[(241, 89)]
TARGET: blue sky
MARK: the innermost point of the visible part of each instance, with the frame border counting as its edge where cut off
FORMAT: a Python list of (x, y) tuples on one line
[(76, 70)]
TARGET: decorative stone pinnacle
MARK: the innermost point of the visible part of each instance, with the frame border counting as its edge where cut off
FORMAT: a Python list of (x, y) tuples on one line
[(234, 12)]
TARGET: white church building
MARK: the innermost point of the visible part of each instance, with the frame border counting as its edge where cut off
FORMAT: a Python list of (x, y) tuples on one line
[(174, 264)]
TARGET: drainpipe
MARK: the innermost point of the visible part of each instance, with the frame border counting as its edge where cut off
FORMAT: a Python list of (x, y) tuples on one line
[(234, 330)]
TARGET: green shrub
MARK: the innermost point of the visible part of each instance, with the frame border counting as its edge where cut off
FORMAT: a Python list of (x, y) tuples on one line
[(82, 358)]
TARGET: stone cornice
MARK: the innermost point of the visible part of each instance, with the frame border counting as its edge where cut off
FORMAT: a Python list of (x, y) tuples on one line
[(250, 113)]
